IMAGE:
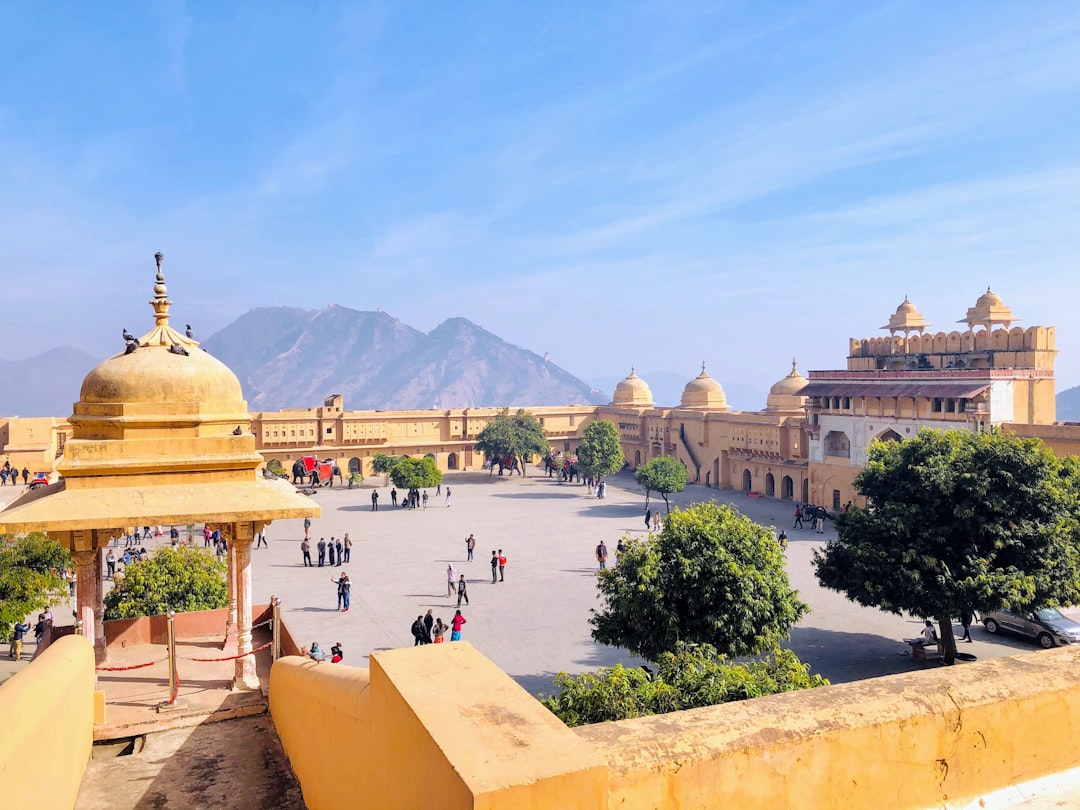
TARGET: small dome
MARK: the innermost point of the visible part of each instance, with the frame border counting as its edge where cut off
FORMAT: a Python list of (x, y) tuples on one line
[(989, 299), (633, 391), (784, 395), (906, 306), (906, 319), (989, 311), (704, 392), (153, 374)]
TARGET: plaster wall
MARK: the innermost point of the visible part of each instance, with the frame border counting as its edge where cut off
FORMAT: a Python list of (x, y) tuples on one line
[(907, 741), (443, 711), (1003, 401), (48, 728)]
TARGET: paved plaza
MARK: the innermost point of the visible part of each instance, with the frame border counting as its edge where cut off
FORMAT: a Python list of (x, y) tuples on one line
[(535, 624)]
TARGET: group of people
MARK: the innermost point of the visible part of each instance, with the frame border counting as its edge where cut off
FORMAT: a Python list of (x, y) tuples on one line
[(429, 630), (652, 519), (339, 549), (809, 513), (10, 473), (18, 633)]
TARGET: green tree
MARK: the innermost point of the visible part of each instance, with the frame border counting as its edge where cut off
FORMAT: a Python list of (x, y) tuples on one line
[(30, 578), (958, 521), (383, 464), (711, 576), (416, 473), (516, 437), (182, 579), (664, 474), (600, 453), (691, 676)]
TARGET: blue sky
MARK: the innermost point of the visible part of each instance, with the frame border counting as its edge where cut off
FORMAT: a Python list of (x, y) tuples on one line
[(624, 183)]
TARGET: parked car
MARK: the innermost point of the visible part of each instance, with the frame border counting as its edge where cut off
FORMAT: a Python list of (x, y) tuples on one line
[(39, 480), (1045, 625)]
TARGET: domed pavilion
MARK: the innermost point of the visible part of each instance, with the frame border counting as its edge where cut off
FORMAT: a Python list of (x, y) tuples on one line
[(784, 395), (633, 392), (989, 311), (161, 436), (703, 392)]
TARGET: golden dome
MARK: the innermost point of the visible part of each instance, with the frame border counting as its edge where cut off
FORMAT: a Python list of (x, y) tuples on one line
[(632, 391), (163, 387), (784, 395), (989, 299), (704, 392)]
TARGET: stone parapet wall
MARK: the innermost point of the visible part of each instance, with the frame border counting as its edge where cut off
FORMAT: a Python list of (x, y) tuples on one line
[(48, 728)]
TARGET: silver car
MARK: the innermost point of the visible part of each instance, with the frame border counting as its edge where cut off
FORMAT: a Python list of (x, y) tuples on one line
[(1046, 625)]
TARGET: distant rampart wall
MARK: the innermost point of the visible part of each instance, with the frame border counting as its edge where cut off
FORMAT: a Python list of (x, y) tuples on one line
[(48, 727)]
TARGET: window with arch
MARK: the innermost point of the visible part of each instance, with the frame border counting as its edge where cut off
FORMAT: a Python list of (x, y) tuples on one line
[(837, 444)]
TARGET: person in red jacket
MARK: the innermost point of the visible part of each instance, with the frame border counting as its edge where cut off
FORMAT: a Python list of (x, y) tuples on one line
[(455, 626)]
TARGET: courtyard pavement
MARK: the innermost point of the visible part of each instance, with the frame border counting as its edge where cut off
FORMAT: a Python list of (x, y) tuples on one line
[(535, 624)]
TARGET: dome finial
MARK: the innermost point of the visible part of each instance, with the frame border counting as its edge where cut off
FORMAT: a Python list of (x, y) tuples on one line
[(703, 372), (160, 301), (794, 365)]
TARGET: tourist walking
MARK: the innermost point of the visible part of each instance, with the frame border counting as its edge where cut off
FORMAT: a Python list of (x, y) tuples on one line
[(305, 547), (343, 588), (321, 546), (455, 626), (374, 500), (648, 517), (260, 539), (601, 554), (423, 499), (470, 546), (798, 517), (307, 528), (494, 566), (448, 496), (451, 579), (462, 591), (656, 520), (966, 617), (502, 564), (348, 547), (439, 631), (782, 539)]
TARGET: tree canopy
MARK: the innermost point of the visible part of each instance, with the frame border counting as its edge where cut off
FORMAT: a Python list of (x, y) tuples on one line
[(30, 577), (601, 451), (181, 579), (383, 464), (512, 438), (416, 473), (691, 676), (959, 521), (711, 576), (663, 474)]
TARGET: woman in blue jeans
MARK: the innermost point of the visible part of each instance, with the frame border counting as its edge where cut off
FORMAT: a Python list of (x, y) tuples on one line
[(343, 587)]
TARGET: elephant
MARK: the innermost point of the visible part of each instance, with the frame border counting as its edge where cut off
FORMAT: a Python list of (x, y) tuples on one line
[(299, 471)]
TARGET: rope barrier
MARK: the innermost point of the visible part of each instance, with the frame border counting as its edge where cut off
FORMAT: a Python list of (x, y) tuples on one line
[(265, 646), (133, 666)]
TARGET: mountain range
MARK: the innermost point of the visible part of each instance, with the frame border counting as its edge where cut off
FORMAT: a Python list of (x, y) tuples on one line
[(294, 358)]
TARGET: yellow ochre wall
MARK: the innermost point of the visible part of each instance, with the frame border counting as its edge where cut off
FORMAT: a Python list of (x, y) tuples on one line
[(48, 727), (904, 741), (438, 726)]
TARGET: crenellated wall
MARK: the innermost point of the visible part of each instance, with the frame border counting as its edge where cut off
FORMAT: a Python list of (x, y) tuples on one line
[(48, 727)]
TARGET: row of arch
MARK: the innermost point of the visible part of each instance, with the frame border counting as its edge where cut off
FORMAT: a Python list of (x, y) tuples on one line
[(786, 483), (1015, 339), (356, 465)]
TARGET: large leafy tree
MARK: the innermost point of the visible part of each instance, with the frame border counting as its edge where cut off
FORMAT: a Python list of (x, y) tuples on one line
[(30, 577), (689, 677), (958, 521), (601, 451), (711, 576), (416, 473), (663, 474), (513, 437), (382, 464), (181, 579)]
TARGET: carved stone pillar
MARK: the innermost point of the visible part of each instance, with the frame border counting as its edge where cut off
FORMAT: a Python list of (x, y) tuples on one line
[(88, 599), (229, 536), (246, 676)]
